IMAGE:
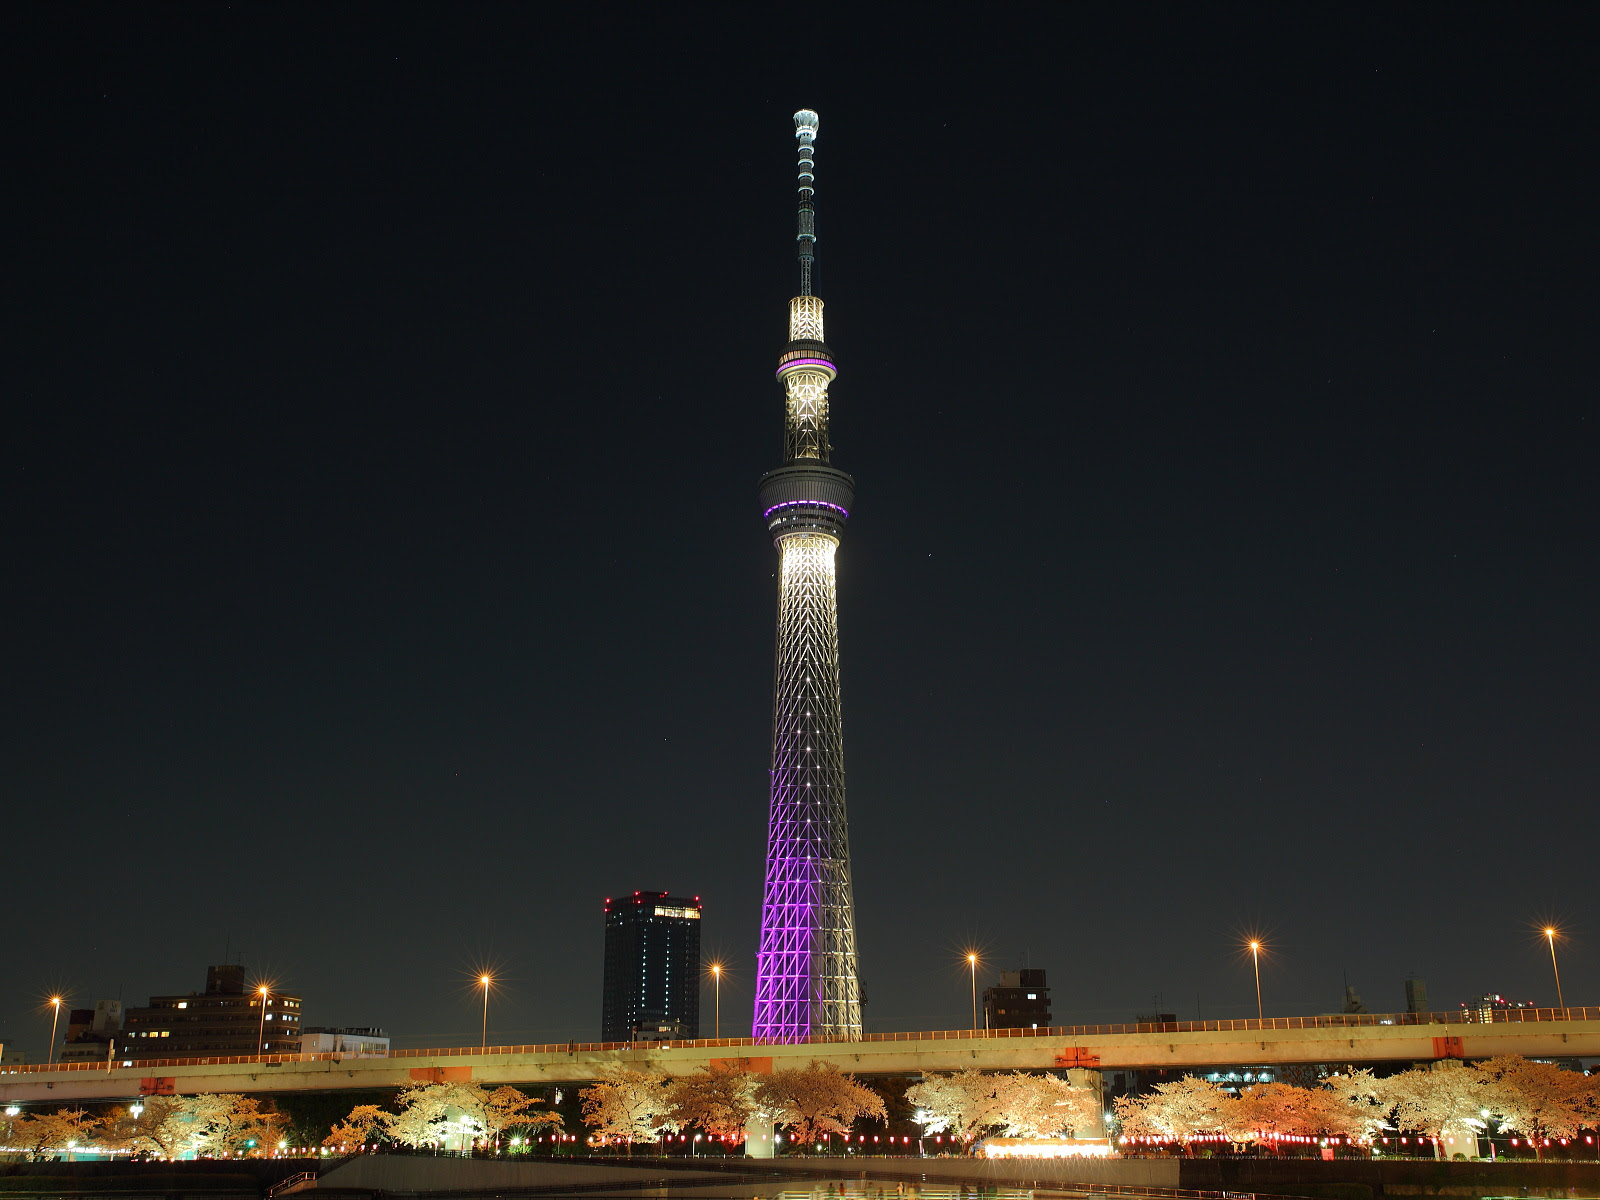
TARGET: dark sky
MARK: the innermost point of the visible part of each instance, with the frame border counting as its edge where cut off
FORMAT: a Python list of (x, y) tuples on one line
[(386, 392)]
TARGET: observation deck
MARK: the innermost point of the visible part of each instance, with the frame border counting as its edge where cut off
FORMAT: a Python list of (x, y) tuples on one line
[(806, 496)]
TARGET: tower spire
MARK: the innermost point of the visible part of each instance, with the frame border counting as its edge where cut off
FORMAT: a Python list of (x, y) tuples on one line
[(805, 132), (806, 983)]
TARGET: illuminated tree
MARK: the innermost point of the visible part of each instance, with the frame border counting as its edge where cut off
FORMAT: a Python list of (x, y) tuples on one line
[(817, 1099), (39, 1134), (1045, 1106), (628, 1105), (1361, 1092), (1181, 1111), (234, 1124), (423, 1116), (496, 1111), (165, 1126), (720, 1099), (358, 1127), (962, 1104), (1015, 1104), (209, 1124), (1441, 1102), (1540, 1099), (1293, 1111)]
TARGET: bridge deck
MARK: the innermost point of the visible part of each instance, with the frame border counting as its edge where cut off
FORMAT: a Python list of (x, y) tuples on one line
[(1354, 1038)]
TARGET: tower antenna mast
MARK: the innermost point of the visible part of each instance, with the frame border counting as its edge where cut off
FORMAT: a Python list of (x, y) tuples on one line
[(805, 132)]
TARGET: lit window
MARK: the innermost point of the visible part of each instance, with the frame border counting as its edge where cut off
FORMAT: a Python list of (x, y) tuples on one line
[(1033, 995), (183, 1004)]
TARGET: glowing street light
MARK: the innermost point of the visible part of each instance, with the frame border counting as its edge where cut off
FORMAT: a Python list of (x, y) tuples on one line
[(972, 964), (1550, 937), (716, 983), (485, 980), (263, 994), (56, 1002), (1255, 955)]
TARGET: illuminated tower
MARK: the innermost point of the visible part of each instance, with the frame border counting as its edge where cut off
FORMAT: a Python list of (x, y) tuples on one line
[(806, 968)]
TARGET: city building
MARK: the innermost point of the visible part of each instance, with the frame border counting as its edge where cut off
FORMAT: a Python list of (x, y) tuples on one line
[(806, 979), (1483, 1008), (1020, 1001), (231, 1018), (92, 1033), (652, 968), (1416, 995), (351, 1042)]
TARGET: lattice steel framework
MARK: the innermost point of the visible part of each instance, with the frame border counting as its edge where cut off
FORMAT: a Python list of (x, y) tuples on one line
[(806, 985)]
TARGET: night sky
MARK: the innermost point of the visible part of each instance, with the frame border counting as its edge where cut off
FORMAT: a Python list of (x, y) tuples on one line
[(387, 388)]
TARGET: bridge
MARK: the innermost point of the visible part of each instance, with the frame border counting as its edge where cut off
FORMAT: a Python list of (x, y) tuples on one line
[(1357, 1038)]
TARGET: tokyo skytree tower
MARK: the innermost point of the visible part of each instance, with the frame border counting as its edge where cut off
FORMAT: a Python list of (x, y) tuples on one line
[(806, 983)]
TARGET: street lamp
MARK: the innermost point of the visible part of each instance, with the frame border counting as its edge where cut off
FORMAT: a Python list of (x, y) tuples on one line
[(56, 1001), (1550, 936), (1255, 956), (263, 994), (716, 983), (485, 980), (972, 964)]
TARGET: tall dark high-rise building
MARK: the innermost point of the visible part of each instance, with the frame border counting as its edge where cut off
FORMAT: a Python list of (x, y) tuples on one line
[(806, 982), (652, 979)]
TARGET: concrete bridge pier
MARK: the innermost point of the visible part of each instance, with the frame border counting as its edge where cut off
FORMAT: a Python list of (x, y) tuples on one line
[(758, 1138), (1087, 1077)]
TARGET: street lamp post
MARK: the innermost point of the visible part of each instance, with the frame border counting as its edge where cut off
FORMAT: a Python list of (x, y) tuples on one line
[(716, 984), (55, 1002), (485, 980), (972, 964), (1550, 936), (1255, 955), (263, 994)]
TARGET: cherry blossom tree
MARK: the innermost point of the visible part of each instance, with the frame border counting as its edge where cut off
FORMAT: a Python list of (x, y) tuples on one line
[(165, 1125), (356, 1129), (229, 1123), (1540, 1099), (204, 1124), (423, 1117), (817, 1099), (496, 1111), (1181, 1111), (720, 1099), (1440, 1102), (1045, 1106), (1015, 1104), (1361, 1093), (963, 1103), (38, 1134), (629, 1105)]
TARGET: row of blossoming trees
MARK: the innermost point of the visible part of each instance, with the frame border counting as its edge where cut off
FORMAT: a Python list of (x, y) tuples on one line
[(819, 1100), (1538, 1100), (1450, 1102), (162, 1126)]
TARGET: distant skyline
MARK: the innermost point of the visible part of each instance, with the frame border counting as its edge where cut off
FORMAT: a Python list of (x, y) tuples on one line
[(389, 390)]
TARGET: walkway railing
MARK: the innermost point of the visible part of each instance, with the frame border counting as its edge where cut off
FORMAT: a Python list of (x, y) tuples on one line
[(1512, 1016)]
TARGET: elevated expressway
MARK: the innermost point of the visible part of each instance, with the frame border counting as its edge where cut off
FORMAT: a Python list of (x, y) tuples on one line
[(1357, 1039)]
